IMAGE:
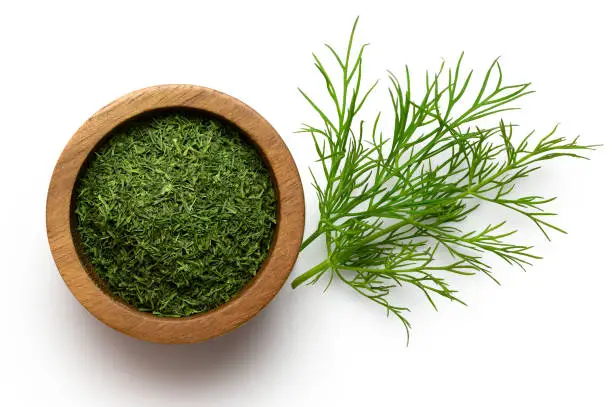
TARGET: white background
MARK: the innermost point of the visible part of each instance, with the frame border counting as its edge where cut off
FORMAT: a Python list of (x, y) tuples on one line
[(541, 339)]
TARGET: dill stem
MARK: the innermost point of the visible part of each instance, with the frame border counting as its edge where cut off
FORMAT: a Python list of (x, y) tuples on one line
[(324, 265), (311, 239)]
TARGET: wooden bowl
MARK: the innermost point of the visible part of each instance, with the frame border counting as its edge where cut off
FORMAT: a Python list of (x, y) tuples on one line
[(79, 274)]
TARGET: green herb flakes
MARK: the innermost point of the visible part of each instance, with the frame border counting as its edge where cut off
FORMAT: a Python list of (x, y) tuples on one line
[(176, 213)]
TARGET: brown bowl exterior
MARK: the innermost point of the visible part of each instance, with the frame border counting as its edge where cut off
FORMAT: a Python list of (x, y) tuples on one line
[(256, 295)]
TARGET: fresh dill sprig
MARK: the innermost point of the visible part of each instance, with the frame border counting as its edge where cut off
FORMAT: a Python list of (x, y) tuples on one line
[(176, 213), (389, 205)]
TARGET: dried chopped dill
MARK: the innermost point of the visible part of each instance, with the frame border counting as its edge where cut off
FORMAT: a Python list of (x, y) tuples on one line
[(176, 213)]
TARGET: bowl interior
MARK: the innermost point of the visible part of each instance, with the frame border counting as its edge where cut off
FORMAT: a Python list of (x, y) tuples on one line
[(150, 114)]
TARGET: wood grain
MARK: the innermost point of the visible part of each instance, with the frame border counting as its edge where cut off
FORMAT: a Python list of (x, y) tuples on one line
[(63, 239)]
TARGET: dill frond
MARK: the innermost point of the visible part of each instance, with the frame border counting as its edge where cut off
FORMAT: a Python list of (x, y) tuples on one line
[(389, 204)]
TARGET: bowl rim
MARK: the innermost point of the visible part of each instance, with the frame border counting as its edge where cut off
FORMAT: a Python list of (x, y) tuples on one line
[(256, 294)]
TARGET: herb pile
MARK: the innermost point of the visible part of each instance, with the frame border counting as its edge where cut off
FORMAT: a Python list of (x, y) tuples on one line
[(391, 204), (176, 213)]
